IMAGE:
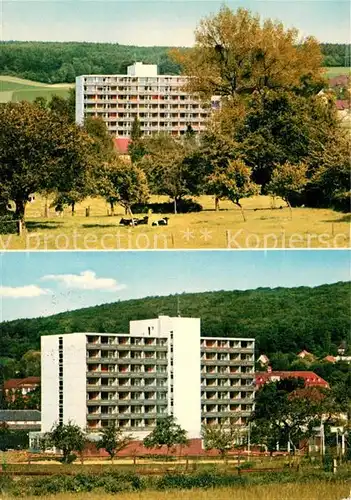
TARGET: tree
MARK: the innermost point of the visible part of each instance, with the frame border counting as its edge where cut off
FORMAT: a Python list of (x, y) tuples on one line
[(233, 183), (40, 150), (30, 363), (221, 438), (280, 126), (330, 166), (64, 106), (136, 147), (235, 54), (136, 130), (67, 438), (123, 183), (166, 433), (168, 166), (102, 140), (113, 439), (287, 411), (288, 180)]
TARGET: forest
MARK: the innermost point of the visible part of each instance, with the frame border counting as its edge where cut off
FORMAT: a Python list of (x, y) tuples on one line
[(284, 320), (53, 62)]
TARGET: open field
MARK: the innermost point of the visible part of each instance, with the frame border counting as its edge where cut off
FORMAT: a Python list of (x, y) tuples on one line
[(265, 227), (337, 71), (321, 490), (17, 89)]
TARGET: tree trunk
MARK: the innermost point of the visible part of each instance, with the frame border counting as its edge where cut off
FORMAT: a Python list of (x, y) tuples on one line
[(290, 209), (20, 209), (216, 203), (129, 211), (175, 205), (241, 209), (46, 208), (73, 204), (112, 206)]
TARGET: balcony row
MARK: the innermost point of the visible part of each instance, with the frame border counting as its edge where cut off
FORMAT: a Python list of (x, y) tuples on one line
[(124, 416), (106, 374), (226, 362), (118, 388), (229, 376), (127, 402), (231, 401), (226, 414), (126, 347), (127, 361)]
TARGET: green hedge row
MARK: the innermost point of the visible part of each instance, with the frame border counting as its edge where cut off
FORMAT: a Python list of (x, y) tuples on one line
[(117, 482)]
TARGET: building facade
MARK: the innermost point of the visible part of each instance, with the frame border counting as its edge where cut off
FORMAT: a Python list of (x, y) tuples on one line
[(163, 366), (159, 102)]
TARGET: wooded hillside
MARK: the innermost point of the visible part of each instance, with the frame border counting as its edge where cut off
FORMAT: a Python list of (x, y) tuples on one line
[(53, 62), (282, 319)]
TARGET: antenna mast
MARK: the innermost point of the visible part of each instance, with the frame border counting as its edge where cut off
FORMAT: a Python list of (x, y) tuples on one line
[(178, 307)]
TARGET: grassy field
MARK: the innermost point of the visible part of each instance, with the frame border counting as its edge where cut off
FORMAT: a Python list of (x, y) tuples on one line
[(265, 227), (337, 71), (17, 89), (312, 491)]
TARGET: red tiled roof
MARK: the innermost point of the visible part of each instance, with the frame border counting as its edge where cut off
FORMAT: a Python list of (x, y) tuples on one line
[(122, 144), (311, 379), (17, 383), (331, 359), (342, 104), (338, 81)]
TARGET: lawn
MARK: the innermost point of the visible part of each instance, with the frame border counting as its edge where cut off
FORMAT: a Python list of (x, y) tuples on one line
[(265, 227), (337, 71), (17, 89), (321, 490)]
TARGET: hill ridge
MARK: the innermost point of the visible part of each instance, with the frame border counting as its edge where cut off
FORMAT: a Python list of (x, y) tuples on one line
[(281, 319)]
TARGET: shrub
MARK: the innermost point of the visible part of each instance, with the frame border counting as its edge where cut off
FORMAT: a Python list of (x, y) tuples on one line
[(69, 460), (183, 206), (7, 224), (246, 465)]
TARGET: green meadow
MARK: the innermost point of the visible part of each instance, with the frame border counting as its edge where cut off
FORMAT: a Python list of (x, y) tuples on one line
[(17, 89)]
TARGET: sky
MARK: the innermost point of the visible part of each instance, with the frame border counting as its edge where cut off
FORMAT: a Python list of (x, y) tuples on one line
[(158, 22), (36, 284)]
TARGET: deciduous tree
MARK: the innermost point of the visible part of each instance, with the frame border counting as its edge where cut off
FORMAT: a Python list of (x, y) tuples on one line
[(221, 438), (40, 150), (235, 54), (233, 183), (123, 183), (166, 433), (67, 438), (113, 439), (288, 180)]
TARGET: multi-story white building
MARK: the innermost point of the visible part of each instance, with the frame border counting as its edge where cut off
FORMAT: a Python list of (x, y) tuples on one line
[(159, 102), (163, 366)]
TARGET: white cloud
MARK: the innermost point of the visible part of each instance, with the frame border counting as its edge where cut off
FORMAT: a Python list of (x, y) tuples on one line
[(20, 292), (86, 280)]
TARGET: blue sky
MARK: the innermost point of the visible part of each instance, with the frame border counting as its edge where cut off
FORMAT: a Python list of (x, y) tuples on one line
[(158, 22), (43, 283)]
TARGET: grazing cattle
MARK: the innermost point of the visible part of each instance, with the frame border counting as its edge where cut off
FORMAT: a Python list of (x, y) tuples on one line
[(136, 222), (144, 220), (161, 222)]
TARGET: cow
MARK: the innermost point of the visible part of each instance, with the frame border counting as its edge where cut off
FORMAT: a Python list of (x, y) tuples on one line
[(161, 222), (134, 221)]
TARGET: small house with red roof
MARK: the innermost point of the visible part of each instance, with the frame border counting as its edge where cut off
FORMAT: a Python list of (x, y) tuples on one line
[(311, 379), (24, 385)]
